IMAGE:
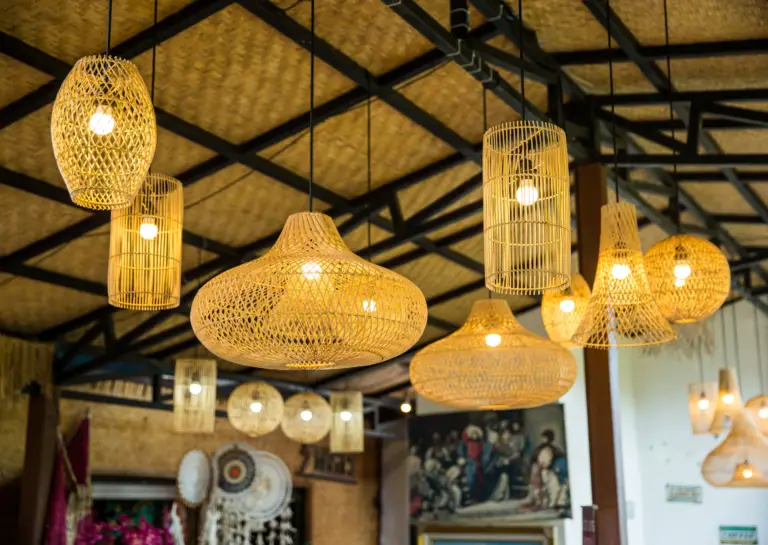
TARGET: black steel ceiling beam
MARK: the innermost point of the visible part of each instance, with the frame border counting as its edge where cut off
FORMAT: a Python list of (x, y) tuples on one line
[(654, 136), (737, 218), (446, 200), (716, 176), (512, 63), (686, 159), (749, 261), (706, 123), (652, 99), (734, 113), (440, 243)]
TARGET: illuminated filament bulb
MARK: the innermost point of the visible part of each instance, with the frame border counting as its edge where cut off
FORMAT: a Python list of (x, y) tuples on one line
[(256, 407), (620, 271), (148, 229), (763, 412), (346, 416), (567, 305), (311, 270), (493, 340), (406, 407), (102, 122), (306, 415), (527, 194), (682, 271), (728, 399), (195, 388), (369, 305), (703, 403)]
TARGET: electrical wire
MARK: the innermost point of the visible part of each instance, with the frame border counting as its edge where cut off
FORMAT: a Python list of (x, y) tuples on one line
[(368, 163), (725, 339), (613, 101), (736, 345), (312, 102), (154, 61), (676, 196), (109, 26), (522, 53), (485, 128), (759, 351)]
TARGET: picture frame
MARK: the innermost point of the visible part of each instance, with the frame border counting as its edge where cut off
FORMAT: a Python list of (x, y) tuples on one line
[(442, 538)]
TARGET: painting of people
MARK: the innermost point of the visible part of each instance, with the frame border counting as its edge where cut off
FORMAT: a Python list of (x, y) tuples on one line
[(490, 467)]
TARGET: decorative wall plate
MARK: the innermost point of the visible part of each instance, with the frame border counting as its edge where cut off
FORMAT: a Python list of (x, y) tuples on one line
[(194, 478)]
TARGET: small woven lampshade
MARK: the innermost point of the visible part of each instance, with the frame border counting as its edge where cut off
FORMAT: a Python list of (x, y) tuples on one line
[(492, 362), (145, 247), (103, 132), (307, 418), (758, 408), (689, 277), (741, 460), (194, 396), (622, 311), (309, 303), (729, 403), (702, 402), (526, 208), (347, 426), (562, 310), (255, 408)]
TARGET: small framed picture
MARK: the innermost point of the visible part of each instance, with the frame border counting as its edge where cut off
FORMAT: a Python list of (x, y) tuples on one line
[(431, 538)]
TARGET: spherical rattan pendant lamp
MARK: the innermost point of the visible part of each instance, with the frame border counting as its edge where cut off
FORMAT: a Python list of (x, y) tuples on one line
[(255, 408), (562, 310), (306, 418), (622, 311), (741, 460), (145, 247), (492, 362)]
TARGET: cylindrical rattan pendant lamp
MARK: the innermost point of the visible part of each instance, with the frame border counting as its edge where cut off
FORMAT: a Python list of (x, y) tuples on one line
[(492, 362), (562, 310), (702, 402), (145, 247), (194, 396), (347, 425), (621, 311), (255, 408), (103, 131), (741, 460), (306, 418)]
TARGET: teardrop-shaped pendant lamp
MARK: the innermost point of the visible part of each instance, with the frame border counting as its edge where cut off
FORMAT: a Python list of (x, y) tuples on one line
[(103, 132), (255, 408), (689, 277), (622, 311), (729, 402), (562, 310), (309, 303), (145, 242), (702, 403), (741, 460), (306, 418), (526, 208), (492, 362)]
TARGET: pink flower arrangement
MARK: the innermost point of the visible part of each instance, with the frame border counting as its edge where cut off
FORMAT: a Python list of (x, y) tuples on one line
[(92, 532)]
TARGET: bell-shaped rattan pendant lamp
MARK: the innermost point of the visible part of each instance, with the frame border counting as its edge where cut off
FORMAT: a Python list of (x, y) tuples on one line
[(306, 418), (622, 311), (255, 408), (741, 460), (562, 310), (492, 362), (103, 130)]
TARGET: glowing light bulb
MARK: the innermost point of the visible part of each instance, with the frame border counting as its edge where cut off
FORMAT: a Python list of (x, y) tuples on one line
[(527, 194), (763, 413), (728, 399), (493, 340), (679, 282), (406, 407), (346, 416), (620, 271), (148, 229), (195, 388), (311, 270), (567, 305), (746, 473), (306, 415), (369, 305), (256, 407), (682, 271), (703, 404), (102, 122)]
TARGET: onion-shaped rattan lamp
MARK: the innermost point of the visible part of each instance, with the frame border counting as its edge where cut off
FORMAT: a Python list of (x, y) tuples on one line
[(309, 303), (306, 418), (526, 208), (729, 402), (741, 460), (194, 396), (492, 362), (255, 408), (145, 247), (347, 426), (702, 402), (562, 310), (689, 277), (622, 311), (103, 132), (758, 409)]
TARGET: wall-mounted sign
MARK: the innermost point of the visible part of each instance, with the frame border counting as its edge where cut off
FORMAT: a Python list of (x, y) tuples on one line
[(321, 463), (680, 493), (589, 529), (738, 535)]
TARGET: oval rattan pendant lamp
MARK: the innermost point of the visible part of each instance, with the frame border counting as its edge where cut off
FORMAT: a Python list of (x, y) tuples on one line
[(526, 203), (689, 276), (309, 302), (103, 130), (758, 405)]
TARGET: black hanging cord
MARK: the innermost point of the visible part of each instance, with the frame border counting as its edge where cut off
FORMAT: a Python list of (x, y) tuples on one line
[(109, 25), (725, 340), (759, 352), (701, 368), (311, 101), (676, 196), (368, 165), (485, 128), (522, 53), (736, 344), (613, 102), (154, 61)]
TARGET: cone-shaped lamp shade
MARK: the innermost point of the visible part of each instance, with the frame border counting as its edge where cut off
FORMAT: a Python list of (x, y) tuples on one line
[(689, 277), (729, 403), (741, 460), (194, 396), (103, 132), (562, 310), (307, 418), (622, 310), (758, 409), (526, 208), (145, 247), (255, 408), (309, 303), (347, 426), (702, 402), (492, 362)]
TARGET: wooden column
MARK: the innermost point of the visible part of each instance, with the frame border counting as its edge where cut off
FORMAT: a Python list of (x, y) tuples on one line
[(602, 391)]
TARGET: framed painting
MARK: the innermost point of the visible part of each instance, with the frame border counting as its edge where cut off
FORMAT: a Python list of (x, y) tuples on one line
[(484, 539)]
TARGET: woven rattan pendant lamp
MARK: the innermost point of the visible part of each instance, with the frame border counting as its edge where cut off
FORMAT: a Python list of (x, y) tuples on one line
[(307, 418), (492, 362), (526, 204), (194, 396), (562, 310), (729, 402), (758, 405), (702, 400), (255, 408), (741, 460), (103, 130), (347, 424)]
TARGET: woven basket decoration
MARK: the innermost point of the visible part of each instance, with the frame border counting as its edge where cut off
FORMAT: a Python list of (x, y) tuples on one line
[(689, 277), (729, 402), (309, 303), (307, 418), (145, 247), (526, 208), (562, 310), (622, 311), (492, 362), (194, 396), (255, 408), (103, 132), (741, 460), (702, 403), (758, 409), (347, 426)]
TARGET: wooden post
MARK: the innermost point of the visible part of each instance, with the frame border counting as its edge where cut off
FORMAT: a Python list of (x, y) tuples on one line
[(599, 365)]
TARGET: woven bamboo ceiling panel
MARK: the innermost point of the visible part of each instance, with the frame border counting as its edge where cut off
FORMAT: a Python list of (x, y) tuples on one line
[(17, 79)]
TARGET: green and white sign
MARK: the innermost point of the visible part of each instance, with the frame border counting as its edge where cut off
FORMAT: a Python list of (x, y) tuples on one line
[(738, 535)]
